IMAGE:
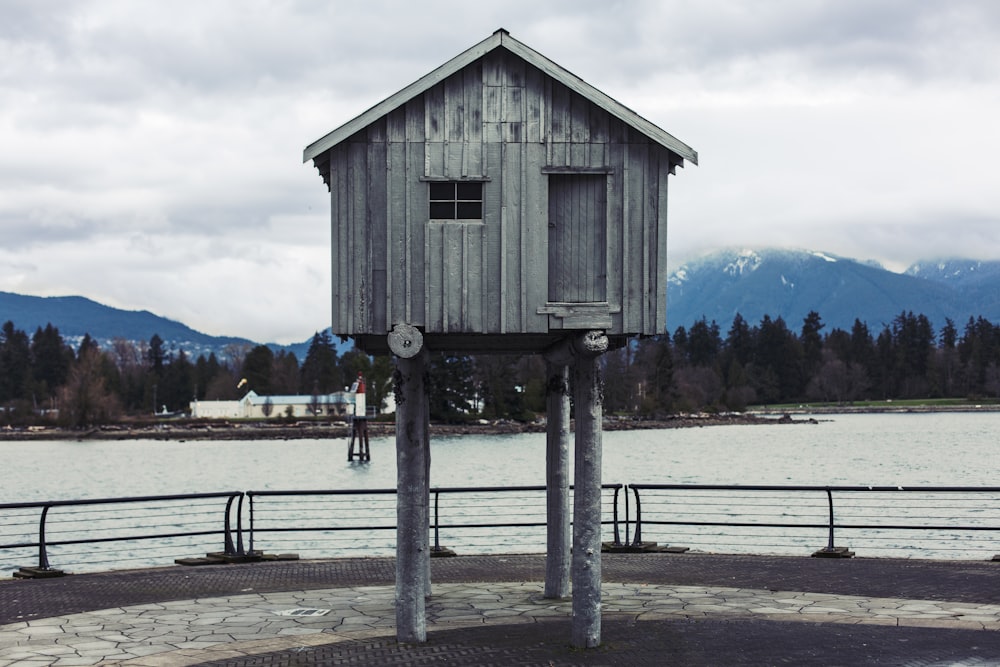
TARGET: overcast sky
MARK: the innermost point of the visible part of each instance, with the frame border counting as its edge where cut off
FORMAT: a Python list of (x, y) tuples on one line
[(150, 152)]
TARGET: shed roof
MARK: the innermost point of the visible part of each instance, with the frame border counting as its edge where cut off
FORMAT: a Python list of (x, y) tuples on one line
[(501, 39)]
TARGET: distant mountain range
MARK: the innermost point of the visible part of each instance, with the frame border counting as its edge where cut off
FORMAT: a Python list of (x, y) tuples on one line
[(76, 316), (754, 283), (790, 283)]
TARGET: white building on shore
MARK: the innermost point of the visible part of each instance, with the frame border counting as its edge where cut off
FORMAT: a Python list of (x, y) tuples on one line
[(338, 405)]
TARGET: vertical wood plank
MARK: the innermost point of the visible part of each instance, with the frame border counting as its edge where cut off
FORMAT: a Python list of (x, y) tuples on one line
[(360, 276), (434, 271), (337, 222), (418, 215), (626, 255), (662, 239), (378, 236), (434, 120)]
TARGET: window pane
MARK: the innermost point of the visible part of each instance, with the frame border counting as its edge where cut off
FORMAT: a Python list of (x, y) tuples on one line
[(470, 210), (442, 191), (442, 210), (469, 190)]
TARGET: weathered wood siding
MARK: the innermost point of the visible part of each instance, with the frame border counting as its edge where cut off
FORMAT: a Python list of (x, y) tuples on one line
[(505, 123)]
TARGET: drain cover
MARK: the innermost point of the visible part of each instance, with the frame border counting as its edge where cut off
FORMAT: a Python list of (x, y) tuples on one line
[(303, 612)]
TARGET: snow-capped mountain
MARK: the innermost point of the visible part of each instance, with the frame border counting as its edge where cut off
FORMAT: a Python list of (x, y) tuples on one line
[(790, 283)]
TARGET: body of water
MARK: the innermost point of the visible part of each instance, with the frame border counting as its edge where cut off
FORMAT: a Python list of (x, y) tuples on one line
[(884, 450), (954, 449)]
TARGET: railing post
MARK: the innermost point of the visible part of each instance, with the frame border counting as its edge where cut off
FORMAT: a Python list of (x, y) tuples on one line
[(239, 527), (614, 509), (832, 551), (638, 518), (43, 556), (437, 534), (227, 545), (250, 538), (829, 500), (628, 517)]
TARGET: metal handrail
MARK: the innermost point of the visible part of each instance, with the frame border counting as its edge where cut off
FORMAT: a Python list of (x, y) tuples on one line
[(742, 510), (43, 543), (830, 525)]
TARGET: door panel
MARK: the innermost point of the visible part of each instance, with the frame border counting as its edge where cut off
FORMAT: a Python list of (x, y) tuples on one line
[(578, 238)]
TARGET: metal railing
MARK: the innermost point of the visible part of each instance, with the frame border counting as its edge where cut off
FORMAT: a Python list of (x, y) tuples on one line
[(350, 522), (929, 521), (80, 531), (110, 533)]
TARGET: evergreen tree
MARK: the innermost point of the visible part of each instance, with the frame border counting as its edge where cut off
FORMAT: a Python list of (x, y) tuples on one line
[(155, 355), (176, 383), (285, 373), (779, 356), (740, 341), (51, 359), (379, 381), (257, 368), (320, 372), (450, 380), (498, 385), (812, 343), (15, 364), (703, 343)]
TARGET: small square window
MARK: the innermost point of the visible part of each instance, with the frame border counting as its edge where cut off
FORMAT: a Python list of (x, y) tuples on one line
[(456, 200)]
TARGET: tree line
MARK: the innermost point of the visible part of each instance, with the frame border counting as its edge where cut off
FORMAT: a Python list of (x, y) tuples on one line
[(699, 368), (694, 368), (44, 378)]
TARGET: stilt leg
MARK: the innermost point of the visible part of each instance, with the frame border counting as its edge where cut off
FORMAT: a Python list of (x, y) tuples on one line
[(586, 623), (557, 555), (412, 511)]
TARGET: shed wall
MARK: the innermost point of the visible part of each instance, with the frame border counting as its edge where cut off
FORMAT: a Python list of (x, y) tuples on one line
[(503, 122)]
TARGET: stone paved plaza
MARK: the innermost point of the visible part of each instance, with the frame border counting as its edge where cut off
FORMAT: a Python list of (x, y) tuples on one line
[(302, 626)]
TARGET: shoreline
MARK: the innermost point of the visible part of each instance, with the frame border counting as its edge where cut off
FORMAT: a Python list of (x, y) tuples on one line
[(301, 430)]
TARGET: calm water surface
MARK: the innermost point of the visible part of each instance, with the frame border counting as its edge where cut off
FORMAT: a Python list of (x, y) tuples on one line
[(885, 449)]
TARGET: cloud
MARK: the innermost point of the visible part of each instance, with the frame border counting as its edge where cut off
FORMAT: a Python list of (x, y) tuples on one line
[(151, 152)]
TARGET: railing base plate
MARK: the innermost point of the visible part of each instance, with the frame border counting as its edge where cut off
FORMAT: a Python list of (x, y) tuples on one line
[(442, 552), (835, 552), (641, 548), (38, 573)]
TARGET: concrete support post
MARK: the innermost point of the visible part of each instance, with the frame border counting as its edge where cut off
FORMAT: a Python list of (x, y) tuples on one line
[(412, 493), (586, 623), (557, 482)]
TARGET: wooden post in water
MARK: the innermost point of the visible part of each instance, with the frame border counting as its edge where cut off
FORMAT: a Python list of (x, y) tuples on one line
[(412, 491), (359, 423), (586, 624), (557, 555)]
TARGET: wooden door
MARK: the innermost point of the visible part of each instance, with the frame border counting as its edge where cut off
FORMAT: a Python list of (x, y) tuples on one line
[(578, 236)]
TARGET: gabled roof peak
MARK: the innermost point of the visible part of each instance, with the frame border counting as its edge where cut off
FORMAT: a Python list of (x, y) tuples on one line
[(501, 38)]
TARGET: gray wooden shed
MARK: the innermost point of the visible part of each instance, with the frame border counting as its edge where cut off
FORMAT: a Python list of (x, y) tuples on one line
[(500, 203), (496, 203)]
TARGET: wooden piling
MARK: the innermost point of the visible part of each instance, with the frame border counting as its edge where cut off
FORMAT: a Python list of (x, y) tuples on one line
[(586, 561), (359, 433), (412, 494), (557, 555)]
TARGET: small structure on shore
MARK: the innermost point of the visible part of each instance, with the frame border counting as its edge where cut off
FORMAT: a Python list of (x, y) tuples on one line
[(338, 405), (500, 204)]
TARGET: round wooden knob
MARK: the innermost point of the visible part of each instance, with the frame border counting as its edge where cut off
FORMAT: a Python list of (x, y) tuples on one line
[(405, 341)]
